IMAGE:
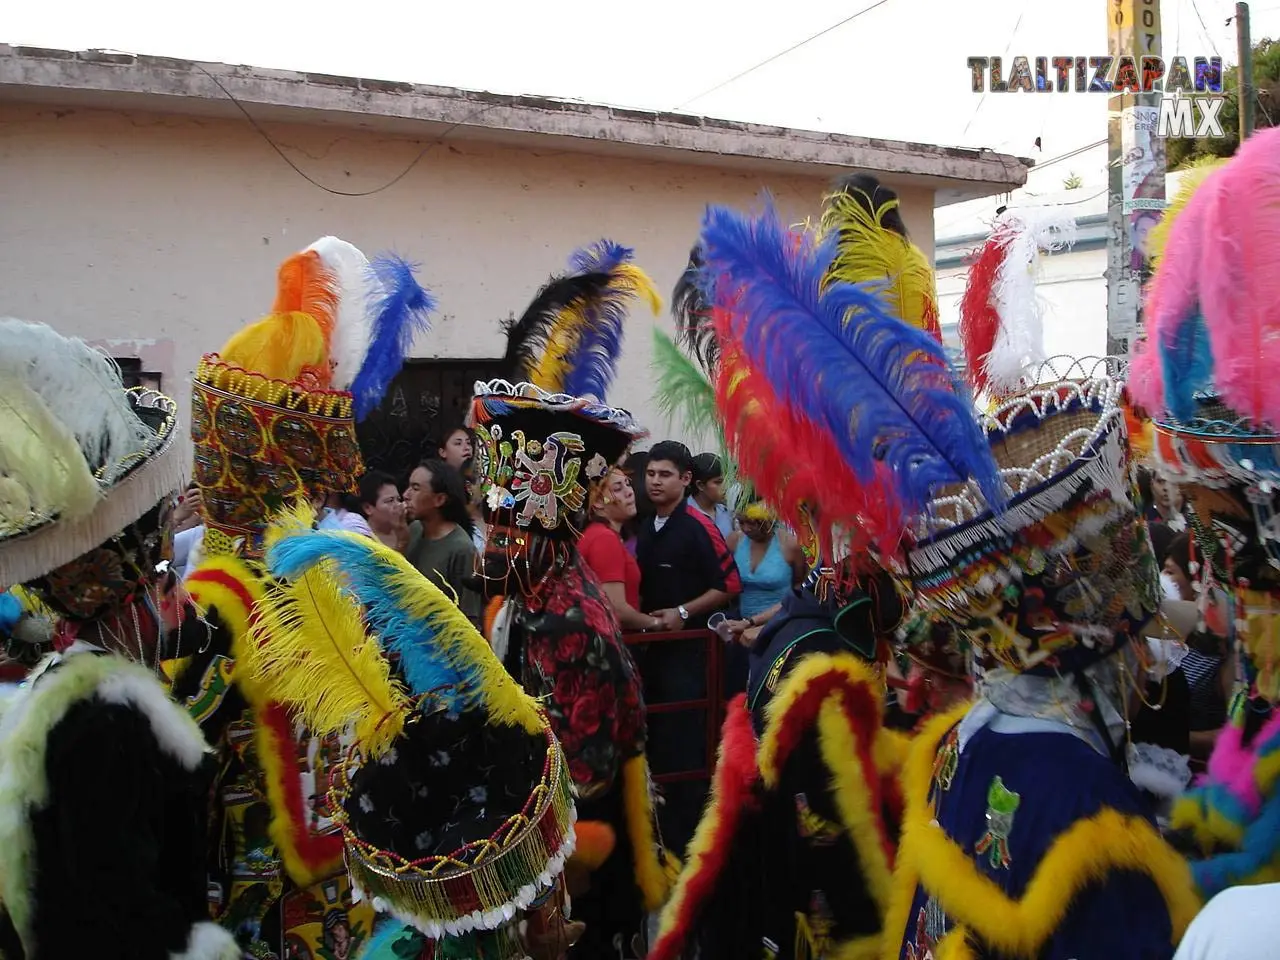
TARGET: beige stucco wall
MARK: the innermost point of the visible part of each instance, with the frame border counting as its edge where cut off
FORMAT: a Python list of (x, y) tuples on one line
[(165, 231)]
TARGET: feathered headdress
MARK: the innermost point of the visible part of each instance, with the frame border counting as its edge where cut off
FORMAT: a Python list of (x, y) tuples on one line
[(872, 246), (441, 654), (490, 833), (1214, 303), (81, 457), (793, 462), (568, 340), (1001, 317), (880, 389), (319, 328)]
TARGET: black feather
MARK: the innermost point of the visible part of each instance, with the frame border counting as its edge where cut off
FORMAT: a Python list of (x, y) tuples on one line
[(527, 337), (871, 195), (692, 311)]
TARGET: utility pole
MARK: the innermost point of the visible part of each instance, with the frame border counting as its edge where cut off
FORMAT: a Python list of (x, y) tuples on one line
[(1136, 166), (1244, 51)]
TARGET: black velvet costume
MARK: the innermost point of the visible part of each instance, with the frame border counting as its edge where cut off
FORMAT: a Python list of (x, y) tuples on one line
[(109, 783)]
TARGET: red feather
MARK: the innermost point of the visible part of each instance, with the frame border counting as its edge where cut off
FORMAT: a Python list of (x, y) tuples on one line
[(979, 322), (792, 461)]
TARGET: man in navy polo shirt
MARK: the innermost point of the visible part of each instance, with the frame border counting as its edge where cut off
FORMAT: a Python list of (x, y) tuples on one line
[(686, 570)]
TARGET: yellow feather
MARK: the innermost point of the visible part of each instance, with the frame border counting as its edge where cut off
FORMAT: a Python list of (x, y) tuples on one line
[(457, 641), (627, 281), (279, 346), (311, 653), (298, 517), (869, 251)]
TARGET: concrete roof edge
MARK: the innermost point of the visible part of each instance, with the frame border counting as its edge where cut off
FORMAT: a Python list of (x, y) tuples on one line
[(166, 77)]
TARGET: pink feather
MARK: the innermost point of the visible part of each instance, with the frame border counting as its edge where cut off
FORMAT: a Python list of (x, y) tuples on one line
[(1171, 297), (1239, 280)]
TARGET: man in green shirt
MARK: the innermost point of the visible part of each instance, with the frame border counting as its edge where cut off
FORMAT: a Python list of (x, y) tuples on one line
[(440, 544)]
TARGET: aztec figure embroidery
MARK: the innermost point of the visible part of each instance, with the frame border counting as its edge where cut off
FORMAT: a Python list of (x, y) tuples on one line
[(542, 475), (1002, 804)]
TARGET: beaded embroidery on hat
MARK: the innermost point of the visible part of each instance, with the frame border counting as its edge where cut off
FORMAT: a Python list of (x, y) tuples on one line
[(261, 443), (1065, 574), (536, 453)]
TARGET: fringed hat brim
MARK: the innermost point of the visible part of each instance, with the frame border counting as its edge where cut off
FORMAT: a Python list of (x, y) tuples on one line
[(46, 547)]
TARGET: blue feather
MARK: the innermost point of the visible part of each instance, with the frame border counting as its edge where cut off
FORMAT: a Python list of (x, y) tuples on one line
[(11, 611), (420, 643), (1187, 359), (881, 388), (594, 360), (401, 313), (387, 932)]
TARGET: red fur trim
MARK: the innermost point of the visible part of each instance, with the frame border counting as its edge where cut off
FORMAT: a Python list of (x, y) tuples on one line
[(318, 856), (732, 792)]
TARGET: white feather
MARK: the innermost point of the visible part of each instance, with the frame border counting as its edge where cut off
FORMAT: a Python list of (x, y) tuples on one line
[(81, 388), (1027, 232), (353, 327)]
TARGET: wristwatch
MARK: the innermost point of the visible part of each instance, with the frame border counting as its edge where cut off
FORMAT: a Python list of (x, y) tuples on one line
[(684, 614)]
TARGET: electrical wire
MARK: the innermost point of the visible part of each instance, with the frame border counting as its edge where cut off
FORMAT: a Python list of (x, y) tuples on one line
[(1070, 153), (316, 183), (1203, 29), (777, 56), (1007, 47)]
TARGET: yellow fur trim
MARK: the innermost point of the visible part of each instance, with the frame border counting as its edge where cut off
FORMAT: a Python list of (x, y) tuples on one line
[(1083, 854), (277, 760), (955, 946), (808, 670), (637, 799), (917, 770), (891, 750), (1208, 827), (862, 820)]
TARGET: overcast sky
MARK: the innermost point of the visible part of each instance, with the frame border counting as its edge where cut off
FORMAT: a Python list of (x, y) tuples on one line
[(897, 71)]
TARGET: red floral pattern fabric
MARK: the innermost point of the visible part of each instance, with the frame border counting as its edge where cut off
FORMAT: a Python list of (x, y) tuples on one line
[(576, 661)]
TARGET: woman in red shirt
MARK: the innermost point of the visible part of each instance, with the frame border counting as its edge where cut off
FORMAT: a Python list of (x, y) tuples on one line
[(601, 548)]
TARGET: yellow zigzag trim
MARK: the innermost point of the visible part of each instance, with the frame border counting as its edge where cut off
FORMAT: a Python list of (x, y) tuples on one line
[(839, 743), (917, 770), (1084, 853), (207, 594)]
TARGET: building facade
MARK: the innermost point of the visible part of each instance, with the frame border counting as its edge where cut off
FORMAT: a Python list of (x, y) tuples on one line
[(146, 202)]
